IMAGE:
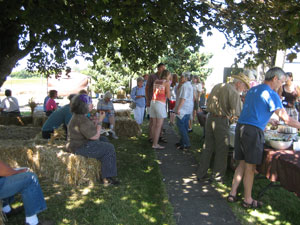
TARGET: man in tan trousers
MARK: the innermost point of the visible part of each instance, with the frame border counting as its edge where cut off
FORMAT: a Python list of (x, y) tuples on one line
[(223, 104)]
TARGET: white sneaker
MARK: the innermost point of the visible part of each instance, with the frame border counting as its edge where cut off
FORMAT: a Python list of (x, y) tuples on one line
[(114, 136)]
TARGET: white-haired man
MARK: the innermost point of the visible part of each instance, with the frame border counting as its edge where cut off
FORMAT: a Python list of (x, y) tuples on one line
[(260, 103)]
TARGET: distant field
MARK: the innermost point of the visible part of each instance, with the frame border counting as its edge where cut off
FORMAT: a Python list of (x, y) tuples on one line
[(31, 81), (24, 89)]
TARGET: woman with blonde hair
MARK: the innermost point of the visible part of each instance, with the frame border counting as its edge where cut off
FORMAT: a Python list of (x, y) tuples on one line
[(161, 91)]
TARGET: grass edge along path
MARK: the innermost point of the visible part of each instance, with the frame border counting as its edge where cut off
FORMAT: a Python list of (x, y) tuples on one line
[(281, 207), (140, 199)]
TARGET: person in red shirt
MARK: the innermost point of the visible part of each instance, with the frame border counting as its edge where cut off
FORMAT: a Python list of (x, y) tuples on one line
[(51, 104), (149, 91), (161, 91)]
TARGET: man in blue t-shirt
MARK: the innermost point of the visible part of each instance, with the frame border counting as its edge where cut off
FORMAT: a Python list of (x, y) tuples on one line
[(57, 118), (260, 103)]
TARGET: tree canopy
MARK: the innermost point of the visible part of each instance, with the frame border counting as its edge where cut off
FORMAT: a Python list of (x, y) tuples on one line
[(54, 31), (187, 61), (268, 25)]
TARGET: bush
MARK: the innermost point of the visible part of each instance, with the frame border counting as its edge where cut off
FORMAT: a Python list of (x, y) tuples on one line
[(23, 74)]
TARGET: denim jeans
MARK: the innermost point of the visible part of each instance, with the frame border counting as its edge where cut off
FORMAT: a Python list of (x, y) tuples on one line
[(183, 126), (28, 186), (103, 151)]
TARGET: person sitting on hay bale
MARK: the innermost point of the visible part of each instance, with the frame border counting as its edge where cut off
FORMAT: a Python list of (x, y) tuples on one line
[(107, 106), (10, 105), (51, 105), (56, 119), (27, 184), (84, 138)]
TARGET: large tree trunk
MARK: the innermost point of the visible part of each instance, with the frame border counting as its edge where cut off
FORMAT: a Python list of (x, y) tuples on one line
[(6, 66), (10, 53)]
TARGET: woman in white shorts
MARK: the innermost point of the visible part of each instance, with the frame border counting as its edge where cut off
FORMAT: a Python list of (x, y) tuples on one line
[(161, 91)]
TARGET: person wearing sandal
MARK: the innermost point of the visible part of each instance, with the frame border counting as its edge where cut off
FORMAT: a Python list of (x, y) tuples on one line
[(149, 93), (161, 91), (183, 110), (260, 103)]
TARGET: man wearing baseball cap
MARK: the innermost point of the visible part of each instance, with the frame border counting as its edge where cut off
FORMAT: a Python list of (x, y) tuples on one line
[(223, 105)]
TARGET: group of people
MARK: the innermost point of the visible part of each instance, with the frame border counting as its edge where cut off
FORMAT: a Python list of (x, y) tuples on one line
[(62, 115), (163, 91), (224, 105), (83, 138)]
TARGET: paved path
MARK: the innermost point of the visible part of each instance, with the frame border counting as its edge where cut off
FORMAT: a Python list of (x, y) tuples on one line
[(193, 202)]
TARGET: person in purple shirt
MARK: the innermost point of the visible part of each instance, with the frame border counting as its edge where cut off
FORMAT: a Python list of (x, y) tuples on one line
[(260, 103)]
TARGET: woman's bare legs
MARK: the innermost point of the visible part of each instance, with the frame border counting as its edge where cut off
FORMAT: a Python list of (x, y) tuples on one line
[(172, 117), (156, 128)]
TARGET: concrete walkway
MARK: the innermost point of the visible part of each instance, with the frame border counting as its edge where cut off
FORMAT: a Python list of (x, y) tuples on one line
[(193, 202)]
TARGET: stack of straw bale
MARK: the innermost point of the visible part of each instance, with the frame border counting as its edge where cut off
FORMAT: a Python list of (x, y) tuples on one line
[(1, 214), (51, 162), (123, 113), (19, 120), (58, 134), (38, 121), (18, 132), (127, 127)]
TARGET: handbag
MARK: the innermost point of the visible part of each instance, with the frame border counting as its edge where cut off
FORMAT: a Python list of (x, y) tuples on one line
[(133, 104)]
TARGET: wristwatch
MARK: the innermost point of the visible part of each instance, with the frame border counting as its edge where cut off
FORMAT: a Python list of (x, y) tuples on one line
[(99, 123)]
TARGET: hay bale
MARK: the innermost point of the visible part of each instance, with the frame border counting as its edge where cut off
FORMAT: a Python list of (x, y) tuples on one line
[(58, 134), (18, 132), (1, 214), (51, 161), (38, 121), (127, 127), (123, 113), (19, 120)]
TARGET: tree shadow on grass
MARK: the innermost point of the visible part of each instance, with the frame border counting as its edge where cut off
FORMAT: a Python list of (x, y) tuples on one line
[(140, 199)]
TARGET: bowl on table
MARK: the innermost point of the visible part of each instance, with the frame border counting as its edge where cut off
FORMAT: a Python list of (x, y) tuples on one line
[(280, 144)]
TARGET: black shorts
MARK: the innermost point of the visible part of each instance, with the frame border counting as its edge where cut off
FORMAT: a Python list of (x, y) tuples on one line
[(249, 144), (196, 105)]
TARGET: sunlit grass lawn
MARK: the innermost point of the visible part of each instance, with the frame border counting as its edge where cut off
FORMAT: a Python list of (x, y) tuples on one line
[(29, 81), (140, 199), (280, 205)]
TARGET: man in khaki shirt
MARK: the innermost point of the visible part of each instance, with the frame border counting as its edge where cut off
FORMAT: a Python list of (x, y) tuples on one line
[(223, 104)]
